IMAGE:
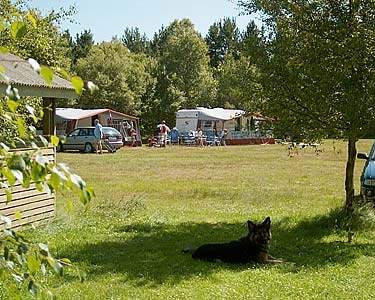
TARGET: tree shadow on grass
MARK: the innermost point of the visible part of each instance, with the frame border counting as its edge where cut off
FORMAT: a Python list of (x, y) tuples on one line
[(319, 241), (151, 254)]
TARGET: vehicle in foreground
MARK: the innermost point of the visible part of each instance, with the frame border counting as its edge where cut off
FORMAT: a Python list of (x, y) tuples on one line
[(367, 178), (83, 139)]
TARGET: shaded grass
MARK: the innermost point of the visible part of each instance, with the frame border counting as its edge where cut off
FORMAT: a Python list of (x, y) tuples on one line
[(151, 203)]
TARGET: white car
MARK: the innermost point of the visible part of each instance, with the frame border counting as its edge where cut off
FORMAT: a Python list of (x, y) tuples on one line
[(83, 139)]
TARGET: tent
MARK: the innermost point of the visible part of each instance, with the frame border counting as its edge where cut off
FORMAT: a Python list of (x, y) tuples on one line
[(69, 118)]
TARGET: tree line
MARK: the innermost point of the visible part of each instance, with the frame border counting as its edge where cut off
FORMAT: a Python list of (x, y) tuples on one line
[(150, 78), (177, 68)]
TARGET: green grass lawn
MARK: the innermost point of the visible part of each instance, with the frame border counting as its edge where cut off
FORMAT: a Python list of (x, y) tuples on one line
[(150, 203)]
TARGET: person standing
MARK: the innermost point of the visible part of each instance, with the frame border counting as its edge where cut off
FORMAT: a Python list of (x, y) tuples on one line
[(133, 134), (223, 136), (163, 133), (98, 133)]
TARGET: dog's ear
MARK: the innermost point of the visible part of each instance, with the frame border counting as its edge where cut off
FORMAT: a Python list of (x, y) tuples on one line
[(251, 226), (267, 223)]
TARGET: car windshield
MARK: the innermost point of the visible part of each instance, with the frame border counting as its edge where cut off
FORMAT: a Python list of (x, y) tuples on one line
[(74, 133), (372, 152), (111, 131)]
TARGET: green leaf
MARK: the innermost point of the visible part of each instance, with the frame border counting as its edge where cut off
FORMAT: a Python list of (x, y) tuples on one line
[(66, 261), (8, 175), (47, 74), (18, 29), (13, 105), (9, 195), (18, 215), (33, 264), (23, 248), (78, 84), (44, 250), (85, 195), (92, 87), (43, 269), (41, 160), (91, 191), (26, 180), (33, 288), (17, 278), (12, 93), (5, 147), (55, 140), (54, 181), (16, 162), (63, 73), (69, 205), (31, 19), (59, 173), (46, 188), (44, 140), (21, 127), (77, 181), (18, 175), (57, 266), (6, 220), (34, 64), (30, 109), (36, 173)]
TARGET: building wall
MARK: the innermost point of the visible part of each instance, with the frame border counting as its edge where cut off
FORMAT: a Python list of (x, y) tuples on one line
[(33, 206)]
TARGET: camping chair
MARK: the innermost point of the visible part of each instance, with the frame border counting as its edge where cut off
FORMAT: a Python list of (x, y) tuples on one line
[(187, 139), (174, 137), (211, 138)]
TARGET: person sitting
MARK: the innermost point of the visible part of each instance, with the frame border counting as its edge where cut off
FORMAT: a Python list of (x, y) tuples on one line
[(201, 138), (223, 136)]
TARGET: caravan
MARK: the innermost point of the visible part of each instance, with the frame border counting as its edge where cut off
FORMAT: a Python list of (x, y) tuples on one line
[(207, 119), (242, 127)]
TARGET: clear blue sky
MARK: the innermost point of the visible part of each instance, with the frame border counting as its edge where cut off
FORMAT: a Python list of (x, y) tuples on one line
[(108, 18)]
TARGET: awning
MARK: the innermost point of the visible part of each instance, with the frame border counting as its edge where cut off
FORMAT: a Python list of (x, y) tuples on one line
[(211, 114), (77, 114), (219, 114)]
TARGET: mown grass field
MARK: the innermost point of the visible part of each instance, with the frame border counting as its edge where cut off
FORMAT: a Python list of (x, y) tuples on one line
[(150, 203)]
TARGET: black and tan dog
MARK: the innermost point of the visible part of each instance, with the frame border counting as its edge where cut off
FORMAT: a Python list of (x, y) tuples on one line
[(252, 248)]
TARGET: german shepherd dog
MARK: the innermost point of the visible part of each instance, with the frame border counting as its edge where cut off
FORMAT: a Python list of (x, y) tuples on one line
[(252, 248)]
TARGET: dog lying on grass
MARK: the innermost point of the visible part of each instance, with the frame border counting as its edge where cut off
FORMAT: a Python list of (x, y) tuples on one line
[(252, 248)]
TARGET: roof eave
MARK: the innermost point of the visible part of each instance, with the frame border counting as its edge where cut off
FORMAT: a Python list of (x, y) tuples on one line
[(37, 91)]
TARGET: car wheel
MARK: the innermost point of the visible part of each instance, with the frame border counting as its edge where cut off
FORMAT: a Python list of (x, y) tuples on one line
[(88, 148), (59, 148)]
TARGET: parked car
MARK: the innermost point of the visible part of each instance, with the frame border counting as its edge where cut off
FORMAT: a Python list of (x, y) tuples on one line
[(83, 139), (368, 175)]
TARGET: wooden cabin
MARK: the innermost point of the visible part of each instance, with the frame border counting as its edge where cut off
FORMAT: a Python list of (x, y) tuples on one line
[(32, 205)]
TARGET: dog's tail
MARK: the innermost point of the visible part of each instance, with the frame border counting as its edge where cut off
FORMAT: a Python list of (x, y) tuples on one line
[(188, 250)]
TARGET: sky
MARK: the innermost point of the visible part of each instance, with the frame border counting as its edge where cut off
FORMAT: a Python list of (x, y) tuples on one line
[(108, 18)]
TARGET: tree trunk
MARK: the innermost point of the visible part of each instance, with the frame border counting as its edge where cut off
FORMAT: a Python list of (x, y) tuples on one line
[(349, 180)]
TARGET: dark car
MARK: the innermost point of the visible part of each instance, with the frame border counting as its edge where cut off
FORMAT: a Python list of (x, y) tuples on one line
[(83, 139), (368, 174)]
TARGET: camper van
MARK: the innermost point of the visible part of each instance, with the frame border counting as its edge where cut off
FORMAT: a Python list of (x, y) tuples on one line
[(243, 127), (207, 119)]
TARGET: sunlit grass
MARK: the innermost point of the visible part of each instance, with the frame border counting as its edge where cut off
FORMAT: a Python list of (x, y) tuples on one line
[(151, 203)]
